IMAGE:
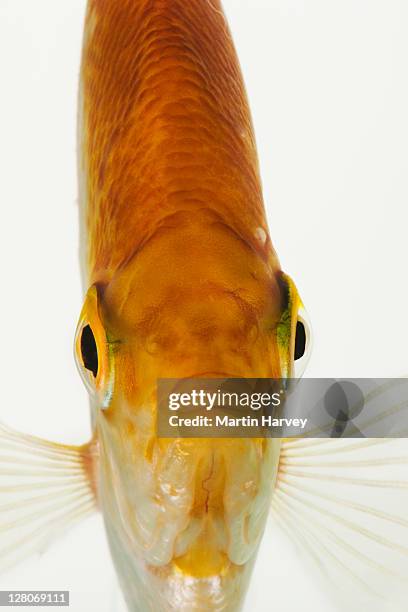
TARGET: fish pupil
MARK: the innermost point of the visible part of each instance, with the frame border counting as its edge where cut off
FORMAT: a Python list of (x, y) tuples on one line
[(300, 340), (89, 350)]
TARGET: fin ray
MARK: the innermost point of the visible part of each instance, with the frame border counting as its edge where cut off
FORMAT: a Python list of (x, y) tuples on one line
[(349, 501), (45, 489)]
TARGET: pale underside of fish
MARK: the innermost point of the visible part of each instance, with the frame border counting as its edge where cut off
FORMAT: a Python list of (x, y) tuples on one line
[(181, 280)]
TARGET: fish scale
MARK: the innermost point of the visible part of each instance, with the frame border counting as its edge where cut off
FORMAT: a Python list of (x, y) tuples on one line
[(160, 80)]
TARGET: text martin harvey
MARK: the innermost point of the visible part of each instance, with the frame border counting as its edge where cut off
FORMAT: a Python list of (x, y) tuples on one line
[(228, 421)]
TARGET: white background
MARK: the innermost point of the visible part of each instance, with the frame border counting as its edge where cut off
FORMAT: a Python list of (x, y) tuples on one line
[(328, 91)]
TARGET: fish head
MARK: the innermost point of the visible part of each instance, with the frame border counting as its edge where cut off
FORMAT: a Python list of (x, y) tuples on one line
[(195, 298), (195, 301)]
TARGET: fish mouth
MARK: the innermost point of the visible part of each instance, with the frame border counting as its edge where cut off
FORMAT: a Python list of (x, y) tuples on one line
[(198, 498), (170, 589), (218, 593)]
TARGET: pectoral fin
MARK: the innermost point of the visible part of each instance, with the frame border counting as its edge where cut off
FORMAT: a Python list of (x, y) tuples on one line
[(344, 504), (45, 488)]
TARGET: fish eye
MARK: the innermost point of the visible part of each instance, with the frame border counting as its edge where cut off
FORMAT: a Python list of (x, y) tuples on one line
[(92, 349), (89, 350), (302, 344), (300, 340), (294, 332), (89, 354)]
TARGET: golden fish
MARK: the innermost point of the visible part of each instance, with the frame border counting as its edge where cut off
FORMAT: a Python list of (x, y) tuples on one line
[(181, 281)]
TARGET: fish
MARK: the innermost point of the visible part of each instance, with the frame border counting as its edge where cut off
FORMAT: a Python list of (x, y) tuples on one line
[(181, 280)]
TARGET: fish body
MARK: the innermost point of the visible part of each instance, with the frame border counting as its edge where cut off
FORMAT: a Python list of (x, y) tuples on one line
[(184, 283)]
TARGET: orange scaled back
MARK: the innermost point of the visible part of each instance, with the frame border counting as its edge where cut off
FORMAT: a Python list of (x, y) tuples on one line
[(166, 126)]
